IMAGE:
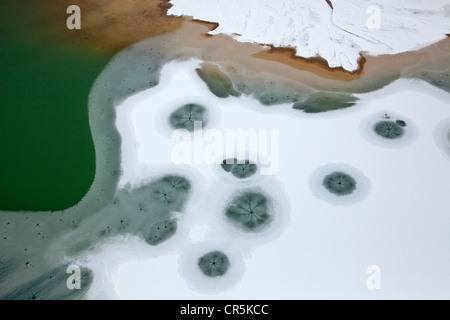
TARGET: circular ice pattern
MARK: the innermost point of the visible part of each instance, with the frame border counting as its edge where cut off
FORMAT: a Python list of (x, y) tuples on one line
[(214, 264), (187, 115), (339, 183)]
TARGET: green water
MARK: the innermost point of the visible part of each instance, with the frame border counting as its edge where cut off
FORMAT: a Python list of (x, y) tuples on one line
[(46, 149)]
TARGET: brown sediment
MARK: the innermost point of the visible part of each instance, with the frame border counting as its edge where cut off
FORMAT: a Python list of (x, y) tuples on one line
[(210, 25), (111, 25), (237, 59), (371, 68), (433, 57), (316, 65)]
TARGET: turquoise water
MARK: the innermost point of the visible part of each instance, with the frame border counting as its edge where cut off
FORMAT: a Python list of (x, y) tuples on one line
[(48, 158)]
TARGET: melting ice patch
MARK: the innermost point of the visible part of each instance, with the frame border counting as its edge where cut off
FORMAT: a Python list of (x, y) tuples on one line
[(389, 129), (212, 266), (339, 184)]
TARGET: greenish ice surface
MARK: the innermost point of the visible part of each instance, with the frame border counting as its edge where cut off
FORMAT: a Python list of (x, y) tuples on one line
[(214, 264), (185, 116), (325, 101), (217, 81), (401, 123), (269, 98), (249, 211), (339, 183), (161, 231), (228, 164), (239, 169), (147, 211), (52, 286), (32, 243), (267, 92), (243, 170), (438, 78), (389, 129), (270, 93)]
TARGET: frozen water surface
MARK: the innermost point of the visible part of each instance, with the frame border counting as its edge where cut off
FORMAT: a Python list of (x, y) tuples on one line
[(306, 226), (161, 196)]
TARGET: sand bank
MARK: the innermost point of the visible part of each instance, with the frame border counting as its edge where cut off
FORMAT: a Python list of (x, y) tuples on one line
[(110, 25), (246, 63)]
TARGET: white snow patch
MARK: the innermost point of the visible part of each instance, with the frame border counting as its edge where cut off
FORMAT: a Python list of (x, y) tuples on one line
[(313, 29)]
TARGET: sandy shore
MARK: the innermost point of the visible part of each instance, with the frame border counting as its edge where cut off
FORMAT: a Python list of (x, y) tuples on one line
[(317, 65), (110, 25), (113, 24), (432, 57), (249, 62)]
